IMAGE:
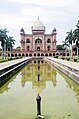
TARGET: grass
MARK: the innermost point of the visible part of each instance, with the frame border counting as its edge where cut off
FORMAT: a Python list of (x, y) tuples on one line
[(9, 59), (67, 58)]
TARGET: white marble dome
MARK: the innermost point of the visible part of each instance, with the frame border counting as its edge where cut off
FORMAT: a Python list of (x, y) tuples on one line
[(38, 25)]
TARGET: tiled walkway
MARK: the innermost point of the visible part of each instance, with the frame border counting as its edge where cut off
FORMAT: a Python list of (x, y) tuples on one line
[(71, 69), (9, 63), (67, 63)]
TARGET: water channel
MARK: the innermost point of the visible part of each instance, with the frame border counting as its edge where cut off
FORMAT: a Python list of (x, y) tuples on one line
[(59, 94)]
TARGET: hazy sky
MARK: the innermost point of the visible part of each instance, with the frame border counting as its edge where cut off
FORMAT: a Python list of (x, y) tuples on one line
[(17, 14)]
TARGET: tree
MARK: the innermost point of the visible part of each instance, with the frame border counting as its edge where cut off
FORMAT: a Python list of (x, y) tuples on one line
[(65, 45), (69, 39), (76, 37), (3, 37), (9, 44), (0, 49), (60, 47), (6, 42), (18, 48)]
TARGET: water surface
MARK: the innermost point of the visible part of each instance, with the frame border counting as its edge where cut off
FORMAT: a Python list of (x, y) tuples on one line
[(59, 94)]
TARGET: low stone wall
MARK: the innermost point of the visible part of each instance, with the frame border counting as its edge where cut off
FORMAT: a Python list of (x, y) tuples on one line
[(7, 72), (70, 71)]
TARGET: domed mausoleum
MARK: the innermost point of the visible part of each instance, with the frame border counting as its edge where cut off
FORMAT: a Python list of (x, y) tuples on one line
[(38, 43), (38, 27)]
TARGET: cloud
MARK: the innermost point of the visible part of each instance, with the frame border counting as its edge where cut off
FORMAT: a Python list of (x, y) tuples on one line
[(62, 14), (44, 2)]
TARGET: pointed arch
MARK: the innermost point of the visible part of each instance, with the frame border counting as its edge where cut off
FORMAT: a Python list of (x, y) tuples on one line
[(48, 40)]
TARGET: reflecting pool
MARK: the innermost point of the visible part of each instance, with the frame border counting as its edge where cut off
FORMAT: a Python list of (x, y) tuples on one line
[(59, 94)]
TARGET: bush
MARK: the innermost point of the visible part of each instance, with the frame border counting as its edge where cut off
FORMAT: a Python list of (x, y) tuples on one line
[(3, 60), (68, 59), (17, 57), (75, 59), (10, 59), (56, 56), (20, 56), (63, 58)]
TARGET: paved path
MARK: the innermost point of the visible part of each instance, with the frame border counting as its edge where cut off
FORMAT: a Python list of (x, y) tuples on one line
[(9, 63), (71, 69), (68, 63), (71, 64)]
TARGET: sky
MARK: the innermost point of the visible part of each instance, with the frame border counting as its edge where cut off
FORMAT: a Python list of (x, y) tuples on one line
[(17, 14)]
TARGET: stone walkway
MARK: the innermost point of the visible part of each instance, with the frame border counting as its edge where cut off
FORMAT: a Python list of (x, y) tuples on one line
[(71, 69), (68, 63), (67, 67), (71, 64), (9, 63)]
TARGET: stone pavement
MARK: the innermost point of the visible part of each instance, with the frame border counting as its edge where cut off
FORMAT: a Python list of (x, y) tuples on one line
[(71, 69), (71, 64), (9, 63)]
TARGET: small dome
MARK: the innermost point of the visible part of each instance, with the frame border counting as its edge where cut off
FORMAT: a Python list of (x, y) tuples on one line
[(38, 25), (54, 30), (22, 30)]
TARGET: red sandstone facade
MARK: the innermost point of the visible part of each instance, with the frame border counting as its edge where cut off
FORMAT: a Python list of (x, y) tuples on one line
[(38, 43)]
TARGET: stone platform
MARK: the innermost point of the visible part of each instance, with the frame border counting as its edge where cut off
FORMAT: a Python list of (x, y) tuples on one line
[(71, 69), (7, 69)]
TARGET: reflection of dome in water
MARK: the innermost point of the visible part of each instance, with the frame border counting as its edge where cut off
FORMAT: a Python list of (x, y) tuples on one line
[(38, 25)]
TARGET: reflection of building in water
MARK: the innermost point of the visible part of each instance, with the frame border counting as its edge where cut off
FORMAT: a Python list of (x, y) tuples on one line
[(26, 75), (6, 86), (30, 73), (2, 90), (39, 86), (73, 86)]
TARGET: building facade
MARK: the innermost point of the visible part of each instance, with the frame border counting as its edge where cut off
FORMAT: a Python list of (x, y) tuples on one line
[(38, 43)]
